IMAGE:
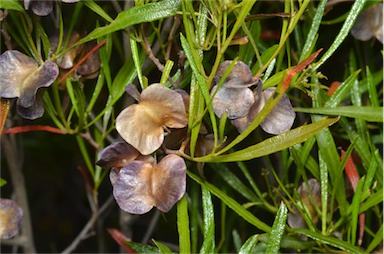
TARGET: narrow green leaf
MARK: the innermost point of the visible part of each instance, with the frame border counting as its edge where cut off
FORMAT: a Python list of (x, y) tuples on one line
[(248, 51), (256, 189), (265, 57), (222, 123), (249, 245), (136, 61), (233, 181), (324, 193), (231, 203), (72, 95), (371, 172), (240, 18), (362, 147), (377, 239), (372, 89), (2, 182), (195, 218), (202, 24), (96, 91), (196, 109), (278, 229), (302, 157), (11, 5), (236, 239), (97, 9), (344, 31), (142, 248), (136, 15), (202, 84), (208, 245), (167, 70), (342, 91), (84, 153), (329, 240), (183, 226), (313, 31), (373, 200), (356, 201), (274, 144), (289, 242), (162, 247), (50, 109), (105, 56), (367, 113), (269, 70)]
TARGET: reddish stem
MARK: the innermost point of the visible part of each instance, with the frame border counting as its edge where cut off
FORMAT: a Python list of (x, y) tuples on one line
[(121, 239), (82, 60), (293, 70), (353, 177), (351, 171), (22, 129)]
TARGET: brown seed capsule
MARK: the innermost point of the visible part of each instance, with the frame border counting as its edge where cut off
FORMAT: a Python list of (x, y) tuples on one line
[(142, 125), (139, 185), (279, 120), (295, 220), (369, 24), (22, 78), (10, 217), (234, 97), (240, 74)]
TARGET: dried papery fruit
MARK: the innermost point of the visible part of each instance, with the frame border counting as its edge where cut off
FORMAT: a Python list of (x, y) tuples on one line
[(295, 220), (369, 24), (68, 59), (21, 78), (90, 68), (84, 59), (10, 217), (282, 116), (119, 154), (139, 185), (279, 120), (234, 97), (39, 7), (240, 74), (235, 102), (186, 98), (42, 7), (142, 125)]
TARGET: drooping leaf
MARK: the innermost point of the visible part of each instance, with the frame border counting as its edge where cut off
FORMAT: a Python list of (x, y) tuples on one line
[(11, 5), (278, 229), (274, 144), (162, 247), (208, 245), (329, 240), (135, 15), (231, 203), (371, 114), (183, 226)]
